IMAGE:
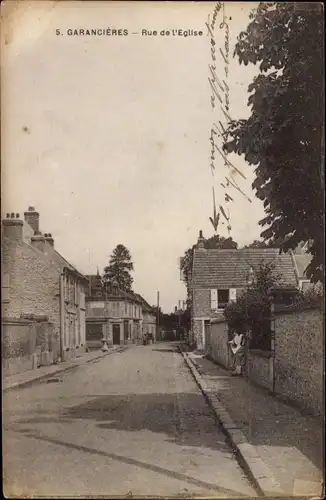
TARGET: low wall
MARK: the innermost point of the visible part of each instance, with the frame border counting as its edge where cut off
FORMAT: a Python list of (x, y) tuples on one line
[(18, 345), (28, 343), (218, 349), (260, 368), (299, 363), (12, 366)]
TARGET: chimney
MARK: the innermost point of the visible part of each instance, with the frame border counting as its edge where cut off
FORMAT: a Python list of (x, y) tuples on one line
[(201, 241), (32, 218), (12, 228), (38, 241), (48, 237)]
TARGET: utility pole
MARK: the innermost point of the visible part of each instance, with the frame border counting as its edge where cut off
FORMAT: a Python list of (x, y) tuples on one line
[(158, 314)]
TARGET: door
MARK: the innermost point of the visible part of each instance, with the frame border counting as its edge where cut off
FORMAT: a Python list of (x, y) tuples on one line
[(116, 334), (207, 336), (126, 330)]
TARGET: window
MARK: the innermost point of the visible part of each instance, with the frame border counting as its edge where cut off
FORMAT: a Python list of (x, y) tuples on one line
[(222, 298), (76, 293), (82, 299), (66, 288), (5, 288), (305, 285)]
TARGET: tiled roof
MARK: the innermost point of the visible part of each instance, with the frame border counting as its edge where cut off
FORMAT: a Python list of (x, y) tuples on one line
[(302, 261), (230, 268), (144, 302), (98, 290)]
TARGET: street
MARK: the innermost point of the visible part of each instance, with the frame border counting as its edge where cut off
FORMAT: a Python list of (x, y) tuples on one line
[(133, 423)]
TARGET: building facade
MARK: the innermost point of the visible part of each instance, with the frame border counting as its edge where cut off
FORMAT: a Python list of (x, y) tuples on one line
[(39, 285), (219, 276), (149, 319), (111, 314)]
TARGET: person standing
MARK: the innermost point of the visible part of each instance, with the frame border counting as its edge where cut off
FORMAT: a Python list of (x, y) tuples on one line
[(237, 345)]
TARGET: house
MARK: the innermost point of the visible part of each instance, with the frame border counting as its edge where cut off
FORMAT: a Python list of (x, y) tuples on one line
[(149, 318), (219, 276), (39, 287), (301, 260), (111, 314)]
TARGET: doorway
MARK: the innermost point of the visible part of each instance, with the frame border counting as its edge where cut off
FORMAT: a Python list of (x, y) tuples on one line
[(116, 334), (207, 336)]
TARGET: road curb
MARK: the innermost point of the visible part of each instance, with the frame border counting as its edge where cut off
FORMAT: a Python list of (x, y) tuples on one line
[(256, 470), (60, 369)]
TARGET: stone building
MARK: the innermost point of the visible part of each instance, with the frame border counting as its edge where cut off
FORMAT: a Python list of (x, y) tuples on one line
[(39, 287), (111, 314)]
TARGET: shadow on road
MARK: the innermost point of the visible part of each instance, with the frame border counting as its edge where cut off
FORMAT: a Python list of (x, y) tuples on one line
[(137, 463), (165, 350), (184, 418)]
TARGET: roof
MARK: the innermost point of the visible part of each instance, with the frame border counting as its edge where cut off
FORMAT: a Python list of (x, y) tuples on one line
[(97, 290), (49, 251), (144, 303), (302, 262), (230, 268)]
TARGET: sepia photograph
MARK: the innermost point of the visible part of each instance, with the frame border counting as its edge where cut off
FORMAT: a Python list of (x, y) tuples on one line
[(162, 249)]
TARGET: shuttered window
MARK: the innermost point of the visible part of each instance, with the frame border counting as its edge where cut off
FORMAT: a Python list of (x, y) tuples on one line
[(233, 294), (5, 288), (214, 299)]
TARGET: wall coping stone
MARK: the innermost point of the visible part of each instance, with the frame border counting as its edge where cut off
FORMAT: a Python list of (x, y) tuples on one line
[(280, 311), (218, 320), (16, 321), (260, 352)]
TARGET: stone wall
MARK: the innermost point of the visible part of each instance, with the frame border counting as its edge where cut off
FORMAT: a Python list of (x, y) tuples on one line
[(219, 348), (198, 334), (260, 368), (18, 346), (33, 283), (299, 358), (26, 344)]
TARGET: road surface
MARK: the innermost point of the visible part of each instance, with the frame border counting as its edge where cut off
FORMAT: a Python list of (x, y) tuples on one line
[(133, 423)]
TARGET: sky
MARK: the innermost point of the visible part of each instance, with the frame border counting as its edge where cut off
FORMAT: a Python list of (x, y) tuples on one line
[(108, 136)]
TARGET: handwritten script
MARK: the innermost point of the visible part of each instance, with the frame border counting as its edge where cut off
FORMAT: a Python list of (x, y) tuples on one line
[(220, 101)]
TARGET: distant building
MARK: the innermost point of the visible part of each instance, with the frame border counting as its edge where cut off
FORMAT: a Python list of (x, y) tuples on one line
[(219, 276), (111, 314), (302, 258), (39, 286), (149, 318)]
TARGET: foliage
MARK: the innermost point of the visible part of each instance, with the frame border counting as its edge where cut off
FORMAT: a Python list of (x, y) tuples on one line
[(311, 298), (186, 261), (251, 310), (118, 270), (262, 244), (283, 137)]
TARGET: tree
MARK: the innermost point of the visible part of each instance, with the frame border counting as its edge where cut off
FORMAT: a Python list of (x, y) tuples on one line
[(262, 244), (283, 137), (251, 310), (118, 270), (186, 261)]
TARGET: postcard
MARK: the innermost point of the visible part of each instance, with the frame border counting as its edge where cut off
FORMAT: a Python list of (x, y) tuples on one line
[(162, 249)]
